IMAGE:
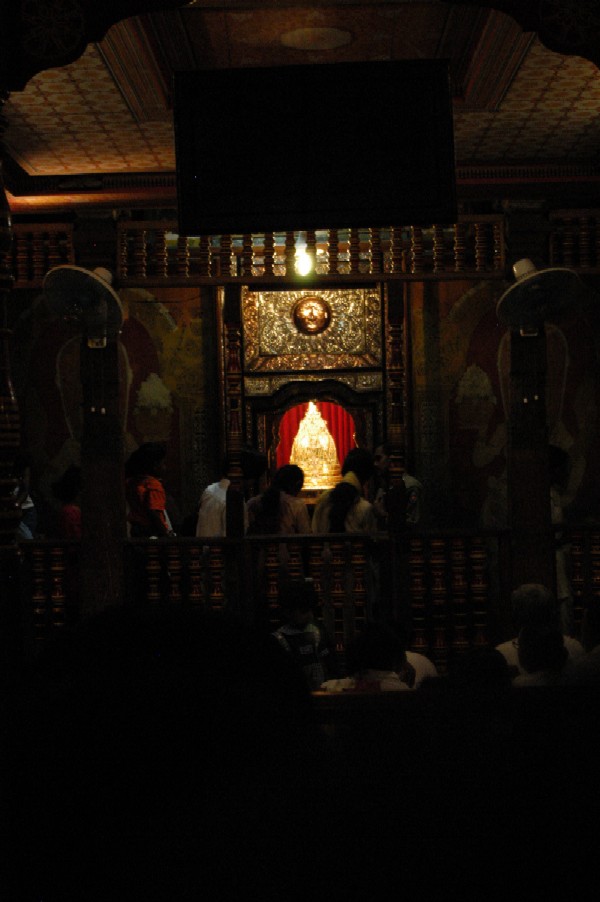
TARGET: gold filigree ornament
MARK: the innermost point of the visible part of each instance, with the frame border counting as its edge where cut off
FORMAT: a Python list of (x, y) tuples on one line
[(314, 451), (336, 329)]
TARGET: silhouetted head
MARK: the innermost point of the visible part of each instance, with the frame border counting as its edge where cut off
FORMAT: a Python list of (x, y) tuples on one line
[(533, 605), (146, 460), (360, 462), (376, 647), (298, 600), (382, 457), (289, 479)]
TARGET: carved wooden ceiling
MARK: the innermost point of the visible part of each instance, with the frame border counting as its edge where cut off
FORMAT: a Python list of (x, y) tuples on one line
[(99, 129)]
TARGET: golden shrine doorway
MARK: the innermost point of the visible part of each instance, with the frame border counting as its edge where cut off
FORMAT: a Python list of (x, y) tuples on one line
[(339, 348), (352, 420)]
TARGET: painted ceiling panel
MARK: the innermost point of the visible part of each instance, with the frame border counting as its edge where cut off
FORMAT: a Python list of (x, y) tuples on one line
[(109, 111)]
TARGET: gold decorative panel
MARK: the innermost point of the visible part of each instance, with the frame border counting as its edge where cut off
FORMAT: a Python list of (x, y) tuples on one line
[(268, 385), (311, 330)]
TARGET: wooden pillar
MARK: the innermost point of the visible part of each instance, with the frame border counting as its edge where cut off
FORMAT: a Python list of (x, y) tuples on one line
[(533, 556), (232, 372), (11, 639), (103, 492), (395, 399)]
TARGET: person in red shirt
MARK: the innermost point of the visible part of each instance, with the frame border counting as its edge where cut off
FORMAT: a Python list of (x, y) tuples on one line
[(67, 490), (145, 493)]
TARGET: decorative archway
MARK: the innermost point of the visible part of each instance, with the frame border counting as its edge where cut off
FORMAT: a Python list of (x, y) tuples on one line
[(338, 420), (264, 415)]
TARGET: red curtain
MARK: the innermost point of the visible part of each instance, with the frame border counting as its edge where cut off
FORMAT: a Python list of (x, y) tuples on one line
[(339, 422)]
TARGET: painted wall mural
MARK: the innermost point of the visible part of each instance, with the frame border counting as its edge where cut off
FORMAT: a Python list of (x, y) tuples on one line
[(476, 363), (458, 399), (163, 374)]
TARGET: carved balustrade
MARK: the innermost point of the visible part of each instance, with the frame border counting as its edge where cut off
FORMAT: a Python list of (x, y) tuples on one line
[(454, 583), (575, 239), (38, 248), (449, 582), (584, 556), (152, 252)]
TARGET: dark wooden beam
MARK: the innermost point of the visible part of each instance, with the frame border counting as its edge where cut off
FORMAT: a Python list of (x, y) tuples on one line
[(565, 26), (51, 33)]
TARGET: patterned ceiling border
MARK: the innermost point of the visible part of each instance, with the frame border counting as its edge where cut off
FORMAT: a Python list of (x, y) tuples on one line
[(20, 184)]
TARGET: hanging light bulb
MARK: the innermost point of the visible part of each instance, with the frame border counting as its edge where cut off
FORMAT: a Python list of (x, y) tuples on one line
[(304, 261)]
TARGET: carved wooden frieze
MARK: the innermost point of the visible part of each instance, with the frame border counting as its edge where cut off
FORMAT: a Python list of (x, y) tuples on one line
[(269, 384), (311, 329)]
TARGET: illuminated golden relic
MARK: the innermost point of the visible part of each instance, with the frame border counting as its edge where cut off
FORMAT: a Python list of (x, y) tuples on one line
[(314, 451)]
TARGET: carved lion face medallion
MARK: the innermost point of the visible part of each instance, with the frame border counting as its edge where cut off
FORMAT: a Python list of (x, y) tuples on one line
[(311, 315)]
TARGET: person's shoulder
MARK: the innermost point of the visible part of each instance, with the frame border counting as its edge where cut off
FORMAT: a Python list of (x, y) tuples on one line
[(210, 491), (310, 631), (322, 497), (340, 685), (573, 646), (319, 517), (508, 649), (421, 663)]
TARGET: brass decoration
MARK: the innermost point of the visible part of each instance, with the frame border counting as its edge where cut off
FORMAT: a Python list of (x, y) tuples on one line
[(350, 339), (314, 451), (311, 315), (268, 385)]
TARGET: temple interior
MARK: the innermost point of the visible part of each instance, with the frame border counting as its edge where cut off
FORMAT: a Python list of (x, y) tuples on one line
[(295, 345), (221, 343)]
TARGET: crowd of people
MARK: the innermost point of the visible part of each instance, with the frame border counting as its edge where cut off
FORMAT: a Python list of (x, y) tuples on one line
[(365, 500), (171, 752)]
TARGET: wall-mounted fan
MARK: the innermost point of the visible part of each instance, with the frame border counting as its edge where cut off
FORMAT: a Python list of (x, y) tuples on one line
[(537, 295), (86, 297)]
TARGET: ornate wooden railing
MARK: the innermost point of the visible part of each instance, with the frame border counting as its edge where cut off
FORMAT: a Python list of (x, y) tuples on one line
[(575, 239), (584, 556), (152, 252), (38, 248), (447, 587)]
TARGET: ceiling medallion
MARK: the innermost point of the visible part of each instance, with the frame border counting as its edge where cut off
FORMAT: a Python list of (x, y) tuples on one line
[(316, 38), (311, 315), (51, 31)]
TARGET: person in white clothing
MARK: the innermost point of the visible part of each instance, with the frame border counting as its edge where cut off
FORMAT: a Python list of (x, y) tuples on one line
[(344, 507), (534, 605), (212, 511), (422, 668)]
